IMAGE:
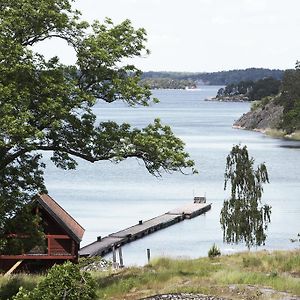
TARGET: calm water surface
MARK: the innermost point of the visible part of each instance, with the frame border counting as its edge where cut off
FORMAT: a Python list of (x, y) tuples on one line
[(105, 197)]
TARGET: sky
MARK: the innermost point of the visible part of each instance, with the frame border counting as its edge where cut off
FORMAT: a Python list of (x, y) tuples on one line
[(204, 35)]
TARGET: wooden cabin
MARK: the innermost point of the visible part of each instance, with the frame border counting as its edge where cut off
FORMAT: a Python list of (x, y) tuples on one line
[(62, 239)]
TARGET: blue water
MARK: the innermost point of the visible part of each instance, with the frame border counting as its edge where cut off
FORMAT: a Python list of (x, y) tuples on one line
[(105, 197)]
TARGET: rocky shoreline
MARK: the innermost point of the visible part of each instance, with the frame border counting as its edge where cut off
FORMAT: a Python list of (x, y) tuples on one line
[(261, 119), (228, 99), (265, 119)]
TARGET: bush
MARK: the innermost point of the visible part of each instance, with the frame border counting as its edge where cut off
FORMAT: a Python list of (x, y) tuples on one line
[(62, 282), (214, 251)]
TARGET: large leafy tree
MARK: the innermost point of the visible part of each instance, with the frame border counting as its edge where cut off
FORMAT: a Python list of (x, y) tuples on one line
[(244, 218), (47, 106)]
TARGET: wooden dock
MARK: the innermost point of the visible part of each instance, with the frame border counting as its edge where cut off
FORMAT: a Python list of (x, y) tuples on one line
[(105, 245)]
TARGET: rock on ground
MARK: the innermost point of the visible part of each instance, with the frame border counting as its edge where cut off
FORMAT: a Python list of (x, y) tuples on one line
[(182, 296), (100, 265)]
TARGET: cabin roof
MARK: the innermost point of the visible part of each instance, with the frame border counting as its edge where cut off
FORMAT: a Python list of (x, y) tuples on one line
[(73, 228)]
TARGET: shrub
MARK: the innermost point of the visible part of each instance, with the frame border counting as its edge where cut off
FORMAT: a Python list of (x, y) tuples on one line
[(62, 282), (214, 251)]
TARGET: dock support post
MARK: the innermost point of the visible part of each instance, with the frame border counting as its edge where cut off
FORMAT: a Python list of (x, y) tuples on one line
[(114, 264), (148, 255), (121, 257)]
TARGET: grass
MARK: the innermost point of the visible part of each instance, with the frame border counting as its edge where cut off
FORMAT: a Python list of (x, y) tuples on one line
[(279, 133), (275, 133), (9, 286), (236, 276), (278, 270)]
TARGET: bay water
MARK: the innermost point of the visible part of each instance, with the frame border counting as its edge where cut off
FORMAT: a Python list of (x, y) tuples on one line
[(105, 197)]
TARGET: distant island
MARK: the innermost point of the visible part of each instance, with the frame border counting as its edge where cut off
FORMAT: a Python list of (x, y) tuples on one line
[(169, 83), (248, 90), (182, 80)]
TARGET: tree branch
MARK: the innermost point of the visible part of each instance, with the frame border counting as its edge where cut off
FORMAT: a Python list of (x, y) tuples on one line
[(41, 38), (87, 157), (10, 158)]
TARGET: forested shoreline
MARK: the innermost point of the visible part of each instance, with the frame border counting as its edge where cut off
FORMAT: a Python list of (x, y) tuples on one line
[(277, 113), (181, 80)]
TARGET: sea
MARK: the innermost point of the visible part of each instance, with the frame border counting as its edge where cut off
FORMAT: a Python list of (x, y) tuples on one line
[(105, 197)]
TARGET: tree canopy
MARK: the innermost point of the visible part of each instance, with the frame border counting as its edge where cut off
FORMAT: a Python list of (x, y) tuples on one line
[(48, 106), (253, 90), (290, 100), (243, 217)]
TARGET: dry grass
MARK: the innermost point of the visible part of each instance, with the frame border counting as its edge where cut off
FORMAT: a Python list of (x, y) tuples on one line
[(294, 136), (236, 276), (278, 133), (278, 270)]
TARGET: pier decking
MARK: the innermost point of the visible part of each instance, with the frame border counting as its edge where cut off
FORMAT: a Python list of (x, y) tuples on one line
[(125, 236)]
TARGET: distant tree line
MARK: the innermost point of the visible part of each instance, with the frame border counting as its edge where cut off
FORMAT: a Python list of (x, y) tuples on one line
[(214, 78), (251, 90)]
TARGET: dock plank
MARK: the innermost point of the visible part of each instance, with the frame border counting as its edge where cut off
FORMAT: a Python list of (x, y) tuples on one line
[(190, 210), (160, 221), (100, 247)]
